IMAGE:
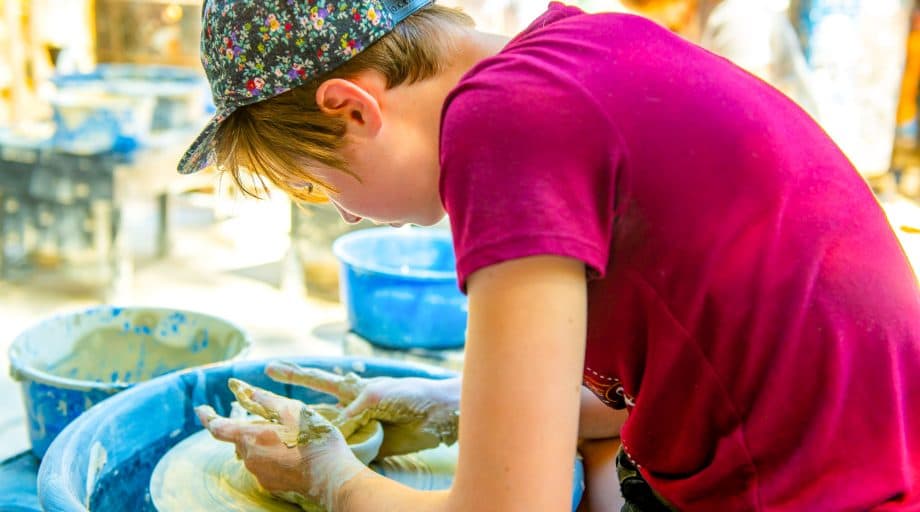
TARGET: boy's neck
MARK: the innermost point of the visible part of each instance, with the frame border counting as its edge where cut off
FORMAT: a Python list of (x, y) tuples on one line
[(474, 46), (420, 103)]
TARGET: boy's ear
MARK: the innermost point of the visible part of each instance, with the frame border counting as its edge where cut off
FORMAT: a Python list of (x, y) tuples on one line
[(352, 102)]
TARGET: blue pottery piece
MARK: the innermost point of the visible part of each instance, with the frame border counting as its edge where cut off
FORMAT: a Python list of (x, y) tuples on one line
[(50, 408), (399, 287), (57, 388), (105, 458), (182, 95)]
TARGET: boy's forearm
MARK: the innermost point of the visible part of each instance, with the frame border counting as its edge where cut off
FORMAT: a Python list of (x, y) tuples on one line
[(596, 420), (371, 492)]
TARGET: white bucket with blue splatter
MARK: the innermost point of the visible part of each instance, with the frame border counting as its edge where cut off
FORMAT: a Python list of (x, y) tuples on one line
[(69, 362)]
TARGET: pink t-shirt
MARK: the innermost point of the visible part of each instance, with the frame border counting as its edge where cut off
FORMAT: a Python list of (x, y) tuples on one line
[(748, 301)]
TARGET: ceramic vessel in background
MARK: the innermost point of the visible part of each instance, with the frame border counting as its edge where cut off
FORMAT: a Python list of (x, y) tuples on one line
[(399, 287), (54, 398)]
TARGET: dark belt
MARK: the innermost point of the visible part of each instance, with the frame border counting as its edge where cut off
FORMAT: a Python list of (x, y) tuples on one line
[(637, 493)]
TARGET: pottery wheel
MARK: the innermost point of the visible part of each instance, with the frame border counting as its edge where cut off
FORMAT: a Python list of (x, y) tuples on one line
[(202, 473)]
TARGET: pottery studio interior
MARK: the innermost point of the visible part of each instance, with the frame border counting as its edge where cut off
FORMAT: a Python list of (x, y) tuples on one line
[(163, 261)]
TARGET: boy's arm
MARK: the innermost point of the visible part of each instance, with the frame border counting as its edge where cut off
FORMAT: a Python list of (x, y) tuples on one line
[(520, 400)]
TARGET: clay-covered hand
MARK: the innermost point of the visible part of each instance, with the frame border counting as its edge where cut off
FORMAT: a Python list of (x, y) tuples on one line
[(416, 414), (294, 453)]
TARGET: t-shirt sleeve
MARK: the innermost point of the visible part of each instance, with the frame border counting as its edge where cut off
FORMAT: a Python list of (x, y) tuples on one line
[(527, 168)]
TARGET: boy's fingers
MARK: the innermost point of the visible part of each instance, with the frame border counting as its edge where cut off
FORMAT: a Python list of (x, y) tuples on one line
[(224, 429), (350, 425), (311, 426), (205, 413), (259, 401), (221, 428), (236, 431), (356, 415), (245, 433), (344, 388), (362, 406)]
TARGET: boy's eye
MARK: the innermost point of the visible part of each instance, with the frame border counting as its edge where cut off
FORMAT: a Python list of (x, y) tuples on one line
[(304, 186), (310, 191)]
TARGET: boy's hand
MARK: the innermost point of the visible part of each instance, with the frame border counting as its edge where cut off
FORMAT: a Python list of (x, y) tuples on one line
[(296, 454), (416, 414)]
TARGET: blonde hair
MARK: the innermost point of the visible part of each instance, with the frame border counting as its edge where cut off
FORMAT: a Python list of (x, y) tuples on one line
[(273, 139)]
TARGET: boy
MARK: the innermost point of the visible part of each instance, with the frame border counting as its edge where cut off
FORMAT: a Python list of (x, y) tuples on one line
[(629, 212)]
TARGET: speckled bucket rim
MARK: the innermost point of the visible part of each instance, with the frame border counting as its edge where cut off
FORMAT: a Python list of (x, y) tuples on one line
[(21, 372), (339, 248)]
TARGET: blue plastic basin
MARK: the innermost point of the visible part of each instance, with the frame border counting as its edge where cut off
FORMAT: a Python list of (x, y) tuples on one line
[(400, 289), (56, 388), (104, 459)]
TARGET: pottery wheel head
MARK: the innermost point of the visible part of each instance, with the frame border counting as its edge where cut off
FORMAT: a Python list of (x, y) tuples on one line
[(202, 473)]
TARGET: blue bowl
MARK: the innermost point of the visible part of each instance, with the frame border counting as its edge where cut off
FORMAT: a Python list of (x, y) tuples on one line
[(400, 289), (56, 388), (104, 459)]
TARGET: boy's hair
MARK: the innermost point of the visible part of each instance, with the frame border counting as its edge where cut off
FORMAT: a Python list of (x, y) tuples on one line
[(276, 138)]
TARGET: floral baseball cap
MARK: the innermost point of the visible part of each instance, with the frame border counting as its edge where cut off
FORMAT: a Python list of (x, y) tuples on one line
[(253, 50)]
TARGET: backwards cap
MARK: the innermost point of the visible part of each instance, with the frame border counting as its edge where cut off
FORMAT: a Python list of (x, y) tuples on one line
[(253, 50)]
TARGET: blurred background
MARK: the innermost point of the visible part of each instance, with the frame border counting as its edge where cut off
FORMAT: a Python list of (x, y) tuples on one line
[(99, 98)]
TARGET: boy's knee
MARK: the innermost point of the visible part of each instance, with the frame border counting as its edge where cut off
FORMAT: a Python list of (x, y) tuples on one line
[(602, 483), (599, 450)]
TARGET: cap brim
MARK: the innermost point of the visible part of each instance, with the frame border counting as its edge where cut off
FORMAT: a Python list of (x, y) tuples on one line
[(201, 153), (407, 8)]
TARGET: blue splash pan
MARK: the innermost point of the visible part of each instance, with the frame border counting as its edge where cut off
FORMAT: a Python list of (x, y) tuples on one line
[(18, 491), (104, 459)]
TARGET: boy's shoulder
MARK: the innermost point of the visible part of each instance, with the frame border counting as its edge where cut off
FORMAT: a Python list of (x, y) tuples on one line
[(557, 48), (552, 67)]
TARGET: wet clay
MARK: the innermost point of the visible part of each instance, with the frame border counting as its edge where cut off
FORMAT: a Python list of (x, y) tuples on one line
[(364, 442), (201, 473), (409, 423), (312, 427), (114, 355), (413, 420), (332, 413), (243, 393), (202, 468)]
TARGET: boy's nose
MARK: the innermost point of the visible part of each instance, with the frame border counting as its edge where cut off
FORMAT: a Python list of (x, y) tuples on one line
[(346, 216)]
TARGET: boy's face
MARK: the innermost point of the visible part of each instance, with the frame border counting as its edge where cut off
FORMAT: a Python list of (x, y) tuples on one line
[(391, 145), (396, 186)]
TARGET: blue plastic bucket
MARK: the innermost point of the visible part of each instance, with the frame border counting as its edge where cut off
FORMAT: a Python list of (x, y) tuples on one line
[(69, 362), (399, 287), (104, 459)]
